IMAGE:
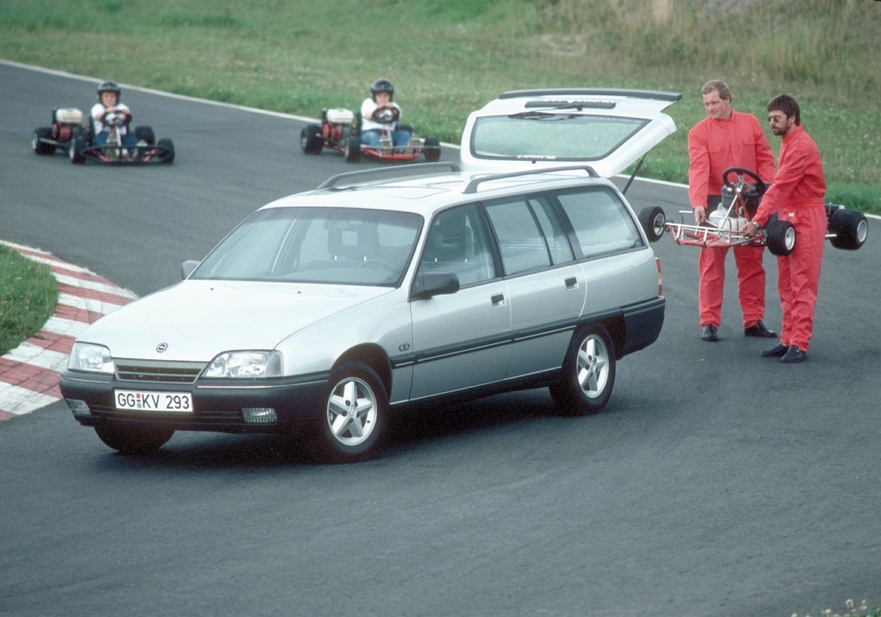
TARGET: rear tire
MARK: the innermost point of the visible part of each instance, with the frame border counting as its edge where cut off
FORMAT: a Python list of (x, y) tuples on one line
[(145, 134), (353, 150), (312, 139), (41, 147), (780, 238), (850, 228), (653, 221), (133, 439), (588, 374), (432, 149)]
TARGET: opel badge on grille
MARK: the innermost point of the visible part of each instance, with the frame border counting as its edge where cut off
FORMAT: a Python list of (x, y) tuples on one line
[(161, 347)]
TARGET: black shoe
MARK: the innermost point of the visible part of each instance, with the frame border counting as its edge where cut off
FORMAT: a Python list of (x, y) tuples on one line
[(793, 355), (709, 333), (776, 352), (759, 330)]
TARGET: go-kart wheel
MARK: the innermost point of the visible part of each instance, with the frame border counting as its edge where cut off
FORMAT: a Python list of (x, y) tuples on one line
[(145, 134), (754, 189), (431, 147), (41, 147), (353, 150), (166, 150), (850, 228), (588, 373), (780, 237), (312, 139), (653, 221), (75, 150)]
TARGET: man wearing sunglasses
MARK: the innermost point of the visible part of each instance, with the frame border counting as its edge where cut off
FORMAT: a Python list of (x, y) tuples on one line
[(796, 196)]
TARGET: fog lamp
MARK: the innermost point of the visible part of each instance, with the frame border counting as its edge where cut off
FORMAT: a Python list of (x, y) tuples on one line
[(79, 408), (259, 415)]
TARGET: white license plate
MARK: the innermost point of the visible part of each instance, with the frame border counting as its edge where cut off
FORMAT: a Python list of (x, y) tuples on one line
[(154, 401)]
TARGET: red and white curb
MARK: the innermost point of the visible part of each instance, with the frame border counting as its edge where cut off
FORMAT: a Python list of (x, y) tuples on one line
[(29, 374)]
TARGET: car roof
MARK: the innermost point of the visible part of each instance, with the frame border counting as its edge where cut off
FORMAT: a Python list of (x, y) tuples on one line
[(607, 103), (429, 187)]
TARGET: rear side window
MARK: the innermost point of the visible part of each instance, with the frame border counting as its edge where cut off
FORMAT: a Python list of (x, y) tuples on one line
[(601, 221), (521, 242)]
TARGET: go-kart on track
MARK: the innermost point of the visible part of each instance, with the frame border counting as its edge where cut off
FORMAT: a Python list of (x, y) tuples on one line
[(714, 483)]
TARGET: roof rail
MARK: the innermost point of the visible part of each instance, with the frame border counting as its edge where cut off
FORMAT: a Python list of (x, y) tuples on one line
[(389, 172), (472, 186), (638, 94)]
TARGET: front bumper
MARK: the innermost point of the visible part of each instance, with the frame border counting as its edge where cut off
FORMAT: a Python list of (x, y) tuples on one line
[(217, 404)]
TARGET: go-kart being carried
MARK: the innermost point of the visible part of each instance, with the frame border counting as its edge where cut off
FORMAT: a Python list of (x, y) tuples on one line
[(74, 132), (846, 229), (340, 130)]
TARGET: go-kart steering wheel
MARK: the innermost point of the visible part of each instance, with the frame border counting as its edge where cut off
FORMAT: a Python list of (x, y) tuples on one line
[(386, 115), (754, 189)]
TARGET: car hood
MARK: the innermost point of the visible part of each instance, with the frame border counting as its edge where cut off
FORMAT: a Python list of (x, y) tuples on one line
[(605, 106), (196, 320)]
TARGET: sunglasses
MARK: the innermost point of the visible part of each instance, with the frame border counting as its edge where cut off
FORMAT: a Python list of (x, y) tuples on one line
[(776, 119)]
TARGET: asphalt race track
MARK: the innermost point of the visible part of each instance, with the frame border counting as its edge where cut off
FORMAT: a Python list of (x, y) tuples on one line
[(715, 482)]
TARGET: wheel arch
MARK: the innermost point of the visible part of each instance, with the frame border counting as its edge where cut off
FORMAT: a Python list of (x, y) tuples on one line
[(373, 356)]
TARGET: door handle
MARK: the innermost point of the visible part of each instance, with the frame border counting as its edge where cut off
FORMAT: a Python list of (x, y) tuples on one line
[(498, 300), (571, 283)]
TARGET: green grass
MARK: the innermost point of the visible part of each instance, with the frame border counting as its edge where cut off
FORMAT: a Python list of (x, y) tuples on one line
[(448, 58), (28, 294)]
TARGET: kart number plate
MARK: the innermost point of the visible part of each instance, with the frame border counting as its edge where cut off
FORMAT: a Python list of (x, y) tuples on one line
[(154, 401)]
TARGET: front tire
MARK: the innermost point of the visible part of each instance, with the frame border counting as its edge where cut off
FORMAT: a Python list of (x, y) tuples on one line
[(355, 417), (588, 374), (850, 228), (133, 439), (353, 149), (312, 139), (75, 150), (166, 151), (780, 237)]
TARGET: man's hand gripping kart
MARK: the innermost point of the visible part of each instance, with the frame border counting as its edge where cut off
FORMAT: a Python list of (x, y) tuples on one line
[(340, 130), (846, 229), (74, 133)]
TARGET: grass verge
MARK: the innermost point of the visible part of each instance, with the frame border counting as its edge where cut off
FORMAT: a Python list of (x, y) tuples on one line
[(28, 295)]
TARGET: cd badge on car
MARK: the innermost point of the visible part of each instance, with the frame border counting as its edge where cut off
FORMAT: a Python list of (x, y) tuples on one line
[(161, 347)]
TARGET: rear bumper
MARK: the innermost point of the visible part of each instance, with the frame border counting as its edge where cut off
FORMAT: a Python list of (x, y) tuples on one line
[(642, 324)]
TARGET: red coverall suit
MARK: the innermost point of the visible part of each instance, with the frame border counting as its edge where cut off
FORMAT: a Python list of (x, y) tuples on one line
[(797, 197), (713, 147)]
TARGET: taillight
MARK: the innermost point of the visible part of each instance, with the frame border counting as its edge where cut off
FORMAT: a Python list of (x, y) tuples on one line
[(660, 278)]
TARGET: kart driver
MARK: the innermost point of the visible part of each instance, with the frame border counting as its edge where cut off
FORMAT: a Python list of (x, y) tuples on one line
[(726, 138), (380, 113), (109, 110), (797, 197)]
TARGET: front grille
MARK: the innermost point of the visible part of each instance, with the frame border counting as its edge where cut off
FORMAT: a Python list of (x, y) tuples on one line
[(158, 372)]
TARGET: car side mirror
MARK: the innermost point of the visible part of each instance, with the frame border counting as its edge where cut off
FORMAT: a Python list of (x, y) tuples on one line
[(187, 267), (435, 283)]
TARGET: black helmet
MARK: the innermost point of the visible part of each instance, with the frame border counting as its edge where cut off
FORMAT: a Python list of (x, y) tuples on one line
[(109, 86), (382, 85)]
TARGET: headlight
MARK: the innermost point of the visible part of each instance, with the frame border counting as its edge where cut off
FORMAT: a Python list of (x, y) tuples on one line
[(91, 358), (245, 365)]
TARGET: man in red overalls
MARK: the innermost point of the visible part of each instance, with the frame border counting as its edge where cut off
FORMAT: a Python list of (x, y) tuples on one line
[(797, 197), (726, 138)]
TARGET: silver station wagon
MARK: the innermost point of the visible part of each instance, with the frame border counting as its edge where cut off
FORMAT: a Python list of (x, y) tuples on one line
[(325, 312)]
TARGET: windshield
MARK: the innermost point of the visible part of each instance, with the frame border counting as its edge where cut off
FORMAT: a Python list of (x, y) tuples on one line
[(550, 135), (344, 246)]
